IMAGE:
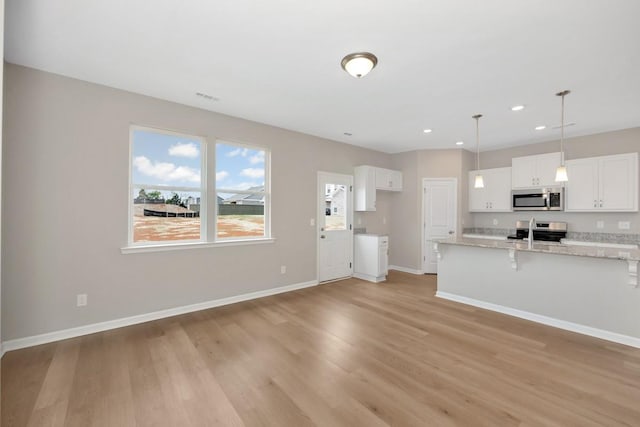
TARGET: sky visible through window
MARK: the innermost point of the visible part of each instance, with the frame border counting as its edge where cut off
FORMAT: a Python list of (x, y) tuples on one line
[(239, 168), (167, 194), (175, 161)]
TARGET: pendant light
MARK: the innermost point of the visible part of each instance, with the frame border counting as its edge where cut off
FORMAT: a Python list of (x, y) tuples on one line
[(561, 172), (479, 183)]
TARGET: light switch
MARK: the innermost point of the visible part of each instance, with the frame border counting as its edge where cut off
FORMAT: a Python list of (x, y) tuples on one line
[(624, 225), (599, 224), (312, 222)]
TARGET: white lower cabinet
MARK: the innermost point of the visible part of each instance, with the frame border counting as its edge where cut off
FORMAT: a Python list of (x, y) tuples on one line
[(496, 194), (371, 257), (603, 184)]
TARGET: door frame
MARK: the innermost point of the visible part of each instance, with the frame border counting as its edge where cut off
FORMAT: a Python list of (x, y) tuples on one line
[(319, 192), (423, 222)]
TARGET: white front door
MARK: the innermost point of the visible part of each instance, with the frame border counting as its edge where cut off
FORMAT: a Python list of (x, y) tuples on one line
[(439, 217), (335, 231)]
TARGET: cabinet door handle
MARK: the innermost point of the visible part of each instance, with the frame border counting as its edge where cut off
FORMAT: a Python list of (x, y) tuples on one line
[(595, 203), (600, 203)]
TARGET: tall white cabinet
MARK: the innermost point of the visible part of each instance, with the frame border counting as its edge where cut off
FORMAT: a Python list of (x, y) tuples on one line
[(601, 184), (496, 194), (535, 171)]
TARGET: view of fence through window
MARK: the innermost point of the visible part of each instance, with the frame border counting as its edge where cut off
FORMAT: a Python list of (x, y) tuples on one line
[(166, 177), (241, 195), (336, 203), (167, 195)]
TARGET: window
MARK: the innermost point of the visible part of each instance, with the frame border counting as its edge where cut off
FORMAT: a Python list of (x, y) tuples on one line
[(241, 191), (173, 201), (336, 201)]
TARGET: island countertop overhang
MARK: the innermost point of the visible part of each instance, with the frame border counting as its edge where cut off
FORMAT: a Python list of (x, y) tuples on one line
[(625, 254)]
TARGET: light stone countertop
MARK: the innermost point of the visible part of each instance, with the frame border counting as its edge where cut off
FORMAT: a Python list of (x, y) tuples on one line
[(546, 247)]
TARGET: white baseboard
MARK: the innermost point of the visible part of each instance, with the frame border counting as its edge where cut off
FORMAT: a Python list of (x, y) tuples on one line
[(141, 318), (550, 321), (405, 269)]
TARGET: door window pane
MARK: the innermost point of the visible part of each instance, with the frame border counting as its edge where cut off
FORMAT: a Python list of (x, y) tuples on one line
[(335, 209)]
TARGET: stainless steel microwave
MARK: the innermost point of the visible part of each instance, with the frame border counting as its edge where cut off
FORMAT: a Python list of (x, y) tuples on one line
[(539, 199)]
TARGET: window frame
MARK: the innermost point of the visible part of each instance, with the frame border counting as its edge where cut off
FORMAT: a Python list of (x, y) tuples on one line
[(208, 197)]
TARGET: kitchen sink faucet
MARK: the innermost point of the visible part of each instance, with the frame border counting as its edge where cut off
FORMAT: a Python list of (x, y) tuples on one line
[(532, 222)]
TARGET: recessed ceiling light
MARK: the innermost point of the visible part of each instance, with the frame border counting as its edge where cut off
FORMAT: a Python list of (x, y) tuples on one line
[(348, 133), (541, 127), (427, 131), (517, 108), (460, 143)]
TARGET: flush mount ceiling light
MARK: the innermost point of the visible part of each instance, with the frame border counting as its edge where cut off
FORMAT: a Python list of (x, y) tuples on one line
[(460, 143), (359, 64), (427, 131), (479, 182), (517, 108), (541, 127), (561, 172)]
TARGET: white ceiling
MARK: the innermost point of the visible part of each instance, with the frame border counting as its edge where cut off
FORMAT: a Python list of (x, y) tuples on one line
[(278, 62)]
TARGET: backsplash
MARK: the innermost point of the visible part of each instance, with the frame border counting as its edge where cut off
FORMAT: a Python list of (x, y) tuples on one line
[(571, 235)]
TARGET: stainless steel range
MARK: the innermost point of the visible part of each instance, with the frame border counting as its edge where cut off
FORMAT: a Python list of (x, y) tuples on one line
[(548, 231)]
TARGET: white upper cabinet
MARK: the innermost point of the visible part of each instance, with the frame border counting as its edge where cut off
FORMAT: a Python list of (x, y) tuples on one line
[(535, 171), (368, 179), (364, 186), (608, 183), (387, 179), (496, 194)]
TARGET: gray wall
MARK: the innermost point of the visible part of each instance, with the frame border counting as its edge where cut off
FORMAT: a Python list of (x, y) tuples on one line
[(65, 139), (406, 233), (66, 157), (618, 142)]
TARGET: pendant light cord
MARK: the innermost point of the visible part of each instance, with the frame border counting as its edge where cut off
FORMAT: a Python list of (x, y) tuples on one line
[(477, 117), (562, 132), (562, 95)]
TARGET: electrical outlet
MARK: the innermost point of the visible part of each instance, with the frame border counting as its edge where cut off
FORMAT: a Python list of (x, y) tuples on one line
[(495, 221), (624, 225), (283, 269), (600, 224), (359, 221), (81, 300), (384, 219), (312, 222)]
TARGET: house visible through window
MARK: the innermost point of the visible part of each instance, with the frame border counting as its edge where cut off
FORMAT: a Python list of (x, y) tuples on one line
[(241, 191), (170, 201)]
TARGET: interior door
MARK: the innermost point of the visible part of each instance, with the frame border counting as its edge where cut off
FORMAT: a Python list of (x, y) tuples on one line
[(439, 217), (335, 230)]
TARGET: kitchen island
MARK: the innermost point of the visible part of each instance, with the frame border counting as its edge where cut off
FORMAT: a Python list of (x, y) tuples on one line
[(587, 289)]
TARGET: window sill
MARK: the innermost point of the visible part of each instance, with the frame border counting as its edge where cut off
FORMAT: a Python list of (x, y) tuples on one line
[(196, 245)]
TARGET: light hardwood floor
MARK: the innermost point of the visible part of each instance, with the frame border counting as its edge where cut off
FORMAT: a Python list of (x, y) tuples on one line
[(349, 353)]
